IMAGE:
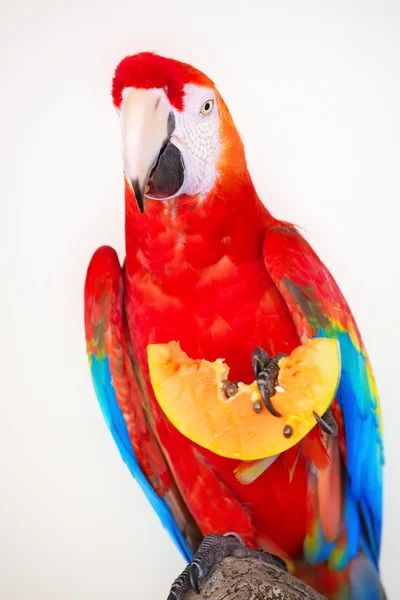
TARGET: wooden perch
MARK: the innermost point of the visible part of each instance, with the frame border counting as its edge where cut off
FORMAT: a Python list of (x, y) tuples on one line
[(252, 579)]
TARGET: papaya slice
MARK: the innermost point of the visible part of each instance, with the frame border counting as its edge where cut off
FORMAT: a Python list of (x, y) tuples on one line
[(192, 395)]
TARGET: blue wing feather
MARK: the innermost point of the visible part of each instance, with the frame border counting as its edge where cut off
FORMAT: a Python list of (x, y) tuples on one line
[(319, 309), (106, 395), (363, 440)]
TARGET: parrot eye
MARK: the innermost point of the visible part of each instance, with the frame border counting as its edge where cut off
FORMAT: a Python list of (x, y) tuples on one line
[(207, 107)]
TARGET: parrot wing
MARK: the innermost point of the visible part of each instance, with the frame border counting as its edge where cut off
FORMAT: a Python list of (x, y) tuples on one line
[(318, 308), (120, 396)]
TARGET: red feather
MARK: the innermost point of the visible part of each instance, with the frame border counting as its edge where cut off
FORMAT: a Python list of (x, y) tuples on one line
[(148, 70)]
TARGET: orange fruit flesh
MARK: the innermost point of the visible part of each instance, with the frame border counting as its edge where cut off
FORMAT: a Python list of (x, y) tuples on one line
[(191, 394)]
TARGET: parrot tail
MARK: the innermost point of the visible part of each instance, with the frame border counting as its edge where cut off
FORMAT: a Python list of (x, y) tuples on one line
[(358, 581)]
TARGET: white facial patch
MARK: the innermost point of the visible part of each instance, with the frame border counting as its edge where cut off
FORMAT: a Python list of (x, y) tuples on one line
[(198, 139)]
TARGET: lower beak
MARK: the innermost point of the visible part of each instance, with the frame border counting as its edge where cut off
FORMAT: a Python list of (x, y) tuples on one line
[(153, 165)]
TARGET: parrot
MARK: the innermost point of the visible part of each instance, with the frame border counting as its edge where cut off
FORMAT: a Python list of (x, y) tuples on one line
[(207, 264)]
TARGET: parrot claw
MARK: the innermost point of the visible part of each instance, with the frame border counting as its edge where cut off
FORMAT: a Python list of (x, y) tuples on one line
[(266, 371), (259, 360), (213, 549), (195, 573), (327, 423)]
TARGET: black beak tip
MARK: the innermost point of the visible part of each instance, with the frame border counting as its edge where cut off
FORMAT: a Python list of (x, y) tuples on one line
[(138, 194)]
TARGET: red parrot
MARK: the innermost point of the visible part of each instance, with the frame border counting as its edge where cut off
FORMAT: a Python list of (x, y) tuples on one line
[(209, 266)]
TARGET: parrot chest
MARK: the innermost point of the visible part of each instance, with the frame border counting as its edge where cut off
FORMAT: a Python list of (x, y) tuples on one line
[(224, 310), (225, 313), (223, 307)]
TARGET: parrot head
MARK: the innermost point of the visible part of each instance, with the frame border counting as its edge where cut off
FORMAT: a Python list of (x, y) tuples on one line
[(178, 137)]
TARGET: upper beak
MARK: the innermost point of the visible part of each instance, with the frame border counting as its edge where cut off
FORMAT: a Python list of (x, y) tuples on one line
[(152, 164)]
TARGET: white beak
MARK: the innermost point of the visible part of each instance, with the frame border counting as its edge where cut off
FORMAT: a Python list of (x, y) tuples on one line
[(145, 121)]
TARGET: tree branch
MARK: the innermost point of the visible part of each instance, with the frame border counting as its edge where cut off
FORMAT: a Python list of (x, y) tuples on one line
[(252, 579)]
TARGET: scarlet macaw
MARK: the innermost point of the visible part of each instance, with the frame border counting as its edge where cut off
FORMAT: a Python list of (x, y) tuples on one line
[(208, 265)]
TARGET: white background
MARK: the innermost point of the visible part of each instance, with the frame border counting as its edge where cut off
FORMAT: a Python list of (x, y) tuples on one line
[(314, 90)]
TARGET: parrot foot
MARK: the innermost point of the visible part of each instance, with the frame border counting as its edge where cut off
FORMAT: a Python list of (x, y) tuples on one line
[(266, 371), (213, 549)]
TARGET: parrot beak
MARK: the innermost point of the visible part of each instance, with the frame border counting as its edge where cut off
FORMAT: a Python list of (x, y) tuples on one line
[(153, 165)]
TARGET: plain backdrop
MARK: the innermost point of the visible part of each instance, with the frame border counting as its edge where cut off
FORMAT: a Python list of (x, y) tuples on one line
[(314, 90)]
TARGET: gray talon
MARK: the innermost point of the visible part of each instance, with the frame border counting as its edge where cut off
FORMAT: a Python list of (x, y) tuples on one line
[(266, 382), (279, 562), (327, 423), (266, 396), (235, 535), (194, 575), (266, 371), (259, 360)]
